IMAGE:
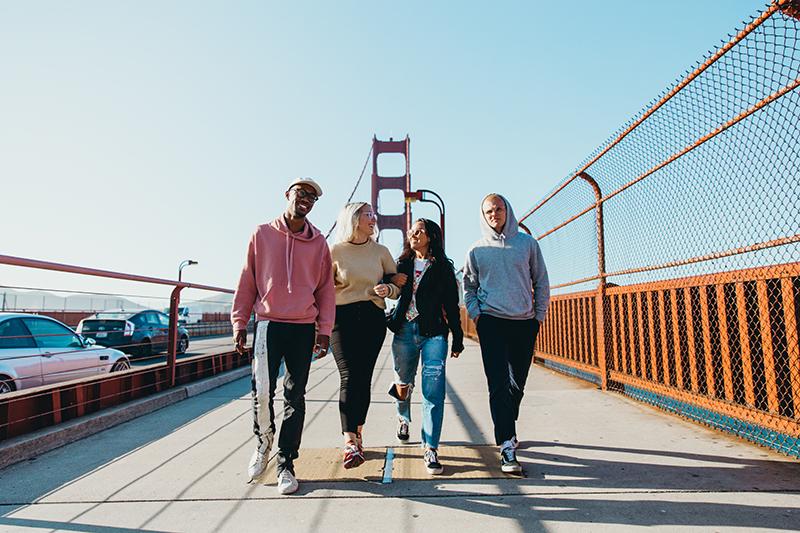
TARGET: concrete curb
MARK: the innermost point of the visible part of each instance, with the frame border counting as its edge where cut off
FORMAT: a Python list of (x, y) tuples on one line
[(38, 442)]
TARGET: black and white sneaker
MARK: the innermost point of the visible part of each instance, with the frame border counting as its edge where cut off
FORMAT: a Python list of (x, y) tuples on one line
[(402, 430), (432, 463), (508, 461)]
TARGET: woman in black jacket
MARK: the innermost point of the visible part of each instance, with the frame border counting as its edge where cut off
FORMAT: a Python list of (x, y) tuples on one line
[(426, 313)]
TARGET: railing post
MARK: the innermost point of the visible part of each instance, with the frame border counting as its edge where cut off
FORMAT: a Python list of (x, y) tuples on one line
[(601, 309), (172, 344)]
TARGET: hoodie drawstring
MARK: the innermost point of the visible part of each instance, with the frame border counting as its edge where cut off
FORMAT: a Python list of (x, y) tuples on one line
[(289, 260)]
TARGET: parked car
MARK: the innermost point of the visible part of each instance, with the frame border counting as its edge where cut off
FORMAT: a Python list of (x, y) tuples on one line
[(140, 333), (38, 350), (186, 316)]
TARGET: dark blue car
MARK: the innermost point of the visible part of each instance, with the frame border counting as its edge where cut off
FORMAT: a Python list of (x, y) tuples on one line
[(140, 333)]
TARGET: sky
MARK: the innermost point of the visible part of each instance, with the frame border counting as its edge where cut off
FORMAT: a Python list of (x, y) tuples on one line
[(138, 134)]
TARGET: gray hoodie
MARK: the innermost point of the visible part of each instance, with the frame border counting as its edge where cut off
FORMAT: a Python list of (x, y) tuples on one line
[(500, 271)]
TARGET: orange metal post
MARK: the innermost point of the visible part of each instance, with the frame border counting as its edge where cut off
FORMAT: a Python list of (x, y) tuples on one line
[(548, 323), (724, 342), (600, 307), (562, 326), (591, 303), (651, 326), (687, 298), (707, 342), (612, 302), (623, 333), (80, 399), (766, 341), (676, 338), (577, 327), (631, 336), (744, 342), (55, 397), (640, 321), (662, 318), (581, 337), (569, 323), (587, 334), (790, 319)]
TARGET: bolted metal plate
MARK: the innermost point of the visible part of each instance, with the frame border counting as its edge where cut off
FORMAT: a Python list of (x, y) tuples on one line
[(459, 462), (325, 464)]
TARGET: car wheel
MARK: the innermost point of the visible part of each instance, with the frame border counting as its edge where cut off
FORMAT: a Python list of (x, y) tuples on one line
[(6, 385), (121, 365), (145, 348), (183, 345)]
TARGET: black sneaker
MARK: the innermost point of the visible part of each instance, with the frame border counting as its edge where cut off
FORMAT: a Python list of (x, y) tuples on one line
[(508, 461), (402, 430), (432, 463)]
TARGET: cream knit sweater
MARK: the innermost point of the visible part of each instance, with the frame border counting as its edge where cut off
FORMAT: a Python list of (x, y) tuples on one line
[(357, 268)]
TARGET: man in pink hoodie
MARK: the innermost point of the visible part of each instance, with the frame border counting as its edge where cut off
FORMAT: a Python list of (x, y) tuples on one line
[(288, 280)]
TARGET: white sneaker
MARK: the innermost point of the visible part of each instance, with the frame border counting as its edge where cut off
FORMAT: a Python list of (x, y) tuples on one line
[(514, 442), (258, 463), (260, 458), (287, 483)]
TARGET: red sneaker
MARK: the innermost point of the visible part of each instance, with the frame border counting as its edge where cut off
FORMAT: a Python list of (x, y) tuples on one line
[(353, 456)]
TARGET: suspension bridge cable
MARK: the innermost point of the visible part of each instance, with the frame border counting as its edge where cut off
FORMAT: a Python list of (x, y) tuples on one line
[(353, 193)]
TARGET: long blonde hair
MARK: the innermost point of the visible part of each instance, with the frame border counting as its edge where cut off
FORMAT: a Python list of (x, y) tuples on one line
[(347, 222)]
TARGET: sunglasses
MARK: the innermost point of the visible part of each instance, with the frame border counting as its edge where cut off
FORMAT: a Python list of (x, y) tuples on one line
[(416, 232), (302, 193)]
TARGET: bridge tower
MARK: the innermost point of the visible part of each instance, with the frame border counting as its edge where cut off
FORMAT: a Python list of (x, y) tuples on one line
[(400, 221)]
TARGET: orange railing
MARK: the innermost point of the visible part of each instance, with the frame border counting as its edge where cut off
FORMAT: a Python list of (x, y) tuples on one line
[(28, 409), (673, 249)]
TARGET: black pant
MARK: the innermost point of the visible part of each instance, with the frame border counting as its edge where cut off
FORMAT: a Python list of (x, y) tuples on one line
[(293, 344), (507, 352), (356, 341)]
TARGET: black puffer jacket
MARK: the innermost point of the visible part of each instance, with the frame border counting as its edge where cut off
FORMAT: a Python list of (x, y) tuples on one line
[(437, 302)]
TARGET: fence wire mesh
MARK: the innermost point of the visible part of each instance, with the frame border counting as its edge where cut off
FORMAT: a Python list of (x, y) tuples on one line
[(681, 284)]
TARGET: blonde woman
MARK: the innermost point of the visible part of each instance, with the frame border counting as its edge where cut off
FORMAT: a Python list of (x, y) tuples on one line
[(359, 265)]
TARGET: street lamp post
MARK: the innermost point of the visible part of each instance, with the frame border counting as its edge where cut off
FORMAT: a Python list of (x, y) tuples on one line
[(185, 263), (419, 195)]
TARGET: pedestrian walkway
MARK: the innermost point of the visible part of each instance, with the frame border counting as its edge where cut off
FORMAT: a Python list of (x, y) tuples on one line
[(593, 461)]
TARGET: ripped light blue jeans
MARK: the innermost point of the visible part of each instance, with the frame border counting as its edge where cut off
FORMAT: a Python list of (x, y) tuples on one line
[(407, 347)]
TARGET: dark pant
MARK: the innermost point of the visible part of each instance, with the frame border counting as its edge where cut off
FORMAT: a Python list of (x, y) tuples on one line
[(293, 344), (507, 352), (356, 341)]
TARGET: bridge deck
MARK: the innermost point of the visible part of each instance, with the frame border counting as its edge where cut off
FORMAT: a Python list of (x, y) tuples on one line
[(592, 460)]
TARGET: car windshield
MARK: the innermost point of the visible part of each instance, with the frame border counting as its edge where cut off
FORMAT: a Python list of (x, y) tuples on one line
[(113, 316)]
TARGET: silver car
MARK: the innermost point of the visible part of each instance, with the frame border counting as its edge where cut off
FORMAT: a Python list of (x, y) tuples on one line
[(37, 350)]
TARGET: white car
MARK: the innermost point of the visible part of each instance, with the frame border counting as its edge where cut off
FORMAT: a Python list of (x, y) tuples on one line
[(37, 350)]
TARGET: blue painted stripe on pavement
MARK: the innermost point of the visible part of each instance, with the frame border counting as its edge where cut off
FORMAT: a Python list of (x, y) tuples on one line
[(387, 466)]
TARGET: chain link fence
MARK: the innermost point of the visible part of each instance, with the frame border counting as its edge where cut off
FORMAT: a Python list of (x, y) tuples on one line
[(673, 249)]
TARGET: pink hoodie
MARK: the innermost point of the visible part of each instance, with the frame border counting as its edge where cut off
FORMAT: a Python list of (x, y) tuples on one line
[(288, 277)]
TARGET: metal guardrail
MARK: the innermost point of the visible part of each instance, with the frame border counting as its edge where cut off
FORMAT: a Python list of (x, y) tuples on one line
[(673, 248), (26, 410)]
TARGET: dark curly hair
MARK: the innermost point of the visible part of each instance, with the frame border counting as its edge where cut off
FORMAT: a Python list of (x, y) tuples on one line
[(435, 244)]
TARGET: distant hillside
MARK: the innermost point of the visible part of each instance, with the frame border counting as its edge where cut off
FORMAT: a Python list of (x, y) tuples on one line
[(218, 303), (11, 299)]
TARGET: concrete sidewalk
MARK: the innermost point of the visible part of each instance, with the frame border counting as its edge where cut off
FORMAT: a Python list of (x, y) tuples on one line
[(593, 461)]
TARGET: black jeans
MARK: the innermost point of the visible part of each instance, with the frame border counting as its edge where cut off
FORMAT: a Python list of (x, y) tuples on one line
[(507, 352), (356, 341), (292, 343)]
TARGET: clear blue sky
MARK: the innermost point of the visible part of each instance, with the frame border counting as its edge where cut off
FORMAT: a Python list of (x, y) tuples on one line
[(138, 134)]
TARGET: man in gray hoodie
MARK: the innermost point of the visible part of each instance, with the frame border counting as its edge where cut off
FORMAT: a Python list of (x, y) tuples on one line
[(500, 271)]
